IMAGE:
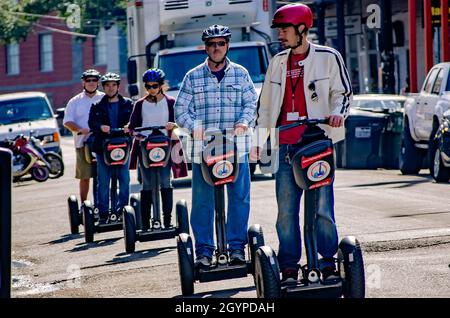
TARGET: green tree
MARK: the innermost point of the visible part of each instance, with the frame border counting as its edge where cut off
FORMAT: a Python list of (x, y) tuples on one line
[(18, 17)]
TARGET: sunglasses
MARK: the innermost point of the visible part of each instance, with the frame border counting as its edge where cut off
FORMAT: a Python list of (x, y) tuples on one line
[(92, 80), (216, 44), (312, 87), (154, 86)]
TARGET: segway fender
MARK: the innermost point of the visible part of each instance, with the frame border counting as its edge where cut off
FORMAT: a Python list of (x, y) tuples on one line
[(269, 253), (348, 245)]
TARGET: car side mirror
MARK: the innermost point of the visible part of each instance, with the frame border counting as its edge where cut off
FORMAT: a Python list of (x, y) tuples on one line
[(132, 71)]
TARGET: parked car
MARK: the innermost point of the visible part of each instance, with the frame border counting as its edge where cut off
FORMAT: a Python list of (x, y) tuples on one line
[(441, 157), (23, 113), (423, 116)]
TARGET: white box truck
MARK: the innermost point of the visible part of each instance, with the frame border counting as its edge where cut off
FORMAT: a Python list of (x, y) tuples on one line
[(167, 34)]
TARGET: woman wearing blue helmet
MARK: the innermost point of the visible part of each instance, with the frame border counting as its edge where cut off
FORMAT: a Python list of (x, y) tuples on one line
[(155, 109)]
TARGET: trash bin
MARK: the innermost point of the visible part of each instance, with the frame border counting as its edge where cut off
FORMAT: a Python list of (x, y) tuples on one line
[(361, 148), (391, 140)]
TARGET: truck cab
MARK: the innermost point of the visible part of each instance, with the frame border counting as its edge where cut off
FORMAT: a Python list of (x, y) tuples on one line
[(178, 61), (167, 35)]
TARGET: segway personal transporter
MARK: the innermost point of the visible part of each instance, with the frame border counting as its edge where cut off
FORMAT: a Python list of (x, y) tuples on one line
[(116, 150), (155, 150), (219, 166), (74, 210), (312, 162)]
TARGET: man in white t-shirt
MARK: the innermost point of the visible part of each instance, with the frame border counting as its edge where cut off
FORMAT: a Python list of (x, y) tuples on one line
[(76, 118)]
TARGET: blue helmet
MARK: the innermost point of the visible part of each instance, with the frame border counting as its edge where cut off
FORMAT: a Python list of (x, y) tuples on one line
[(154, 75)]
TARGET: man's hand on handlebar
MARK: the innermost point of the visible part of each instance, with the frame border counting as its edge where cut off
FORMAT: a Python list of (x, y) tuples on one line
[(335, 120), (171, 126), (105, 128), (84, 131), (240, 129)]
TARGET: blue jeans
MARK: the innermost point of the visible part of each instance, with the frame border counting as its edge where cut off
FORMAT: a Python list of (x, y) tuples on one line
[(288, 222), (202, 215), (104, 173)]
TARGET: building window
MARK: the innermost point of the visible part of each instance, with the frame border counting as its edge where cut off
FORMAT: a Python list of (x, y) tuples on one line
[(12, 59), (46, 52), (100, 48)]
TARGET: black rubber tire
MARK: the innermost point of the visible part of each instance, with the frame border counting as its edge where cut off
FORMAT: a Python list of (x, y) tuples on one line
[(267, 283), (182, 217), (56, 164), (255, 241), (186, 264), (88, 221), (129, 229), (40, 174), (354, 277), (135, 202), (410, 160), (439, 172), (74, 220)]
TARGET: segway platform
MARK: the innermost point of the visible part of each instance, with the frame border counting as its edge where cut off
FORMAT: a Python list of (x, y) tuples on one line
[(223, 271)]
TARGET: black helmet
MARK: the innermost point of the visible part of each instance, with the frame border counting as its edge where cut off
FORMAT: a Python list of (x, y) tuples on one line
[(110, 77), (90, 73), (216, 31)]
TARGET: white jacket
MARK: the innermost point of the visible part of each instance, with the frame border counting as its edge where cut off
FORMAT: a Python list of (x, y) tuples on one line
[(323, 66)]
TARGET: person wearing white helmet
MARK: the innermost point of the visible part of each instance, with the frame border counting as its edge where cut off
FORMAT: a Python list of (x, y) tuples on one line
[(76, 117)]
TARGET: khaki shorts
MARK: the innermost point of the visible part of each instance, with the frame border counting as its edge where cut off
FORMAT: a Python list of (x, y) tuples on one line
[(83, 169)]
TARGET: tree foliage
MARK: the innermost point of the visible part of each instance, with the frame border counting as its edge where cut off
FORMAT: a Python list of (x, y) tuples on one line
[(17, 18)]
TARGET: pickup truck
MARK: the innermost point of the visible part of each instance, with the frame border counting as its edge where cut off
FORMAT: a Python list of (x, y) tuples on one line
[(423, 116)]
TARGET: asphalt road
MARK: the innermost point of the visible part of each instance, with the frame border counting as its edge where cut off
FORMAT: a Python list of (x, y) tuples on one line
[(403, 223)]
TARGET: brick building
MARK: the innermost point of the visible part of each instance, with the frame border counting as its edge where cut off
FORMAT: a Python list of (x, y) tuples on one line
[(52, 61)]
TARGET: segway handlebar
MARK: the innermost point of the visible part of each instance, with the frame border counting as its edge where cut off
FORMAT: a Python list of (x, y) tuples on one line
[(305, 121), (139, 129)]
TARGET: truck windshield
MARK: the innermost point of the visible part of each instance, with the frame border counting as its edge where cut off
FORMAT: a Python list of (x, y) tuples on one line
[(24, 110), (176, 65)]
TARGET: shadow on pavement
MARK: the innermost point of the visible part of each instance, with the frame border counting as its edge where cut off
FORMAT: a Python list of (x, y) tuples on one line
[(140, 255), (225, 293), (64, 238), (100, 243)]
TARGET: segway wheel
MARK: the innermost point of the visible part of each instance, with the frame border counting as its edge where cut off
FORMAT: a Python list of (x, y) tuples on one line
[(88, 221), (351, 267), (255, 241), (186, 263), (135, 202), (267, 274), (129, 229), (72, 203), (182, 217)]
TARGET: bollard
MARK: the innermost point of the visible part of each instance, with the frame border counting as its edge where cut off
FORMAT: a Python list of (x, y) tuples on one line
[(5, 222)]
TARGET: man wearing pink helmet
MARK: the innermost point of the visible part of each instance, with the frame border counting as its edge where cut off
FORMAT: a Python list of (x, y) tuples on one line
[(304, 80)]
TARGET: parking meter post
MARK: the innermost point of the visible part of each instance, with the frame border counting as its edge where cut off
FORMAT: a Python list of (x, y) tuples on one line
[(5, 222)]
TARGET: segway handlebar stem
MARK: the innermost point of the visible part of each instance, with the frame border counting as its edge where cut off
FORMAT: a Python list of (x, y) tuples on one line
[(305, 121)]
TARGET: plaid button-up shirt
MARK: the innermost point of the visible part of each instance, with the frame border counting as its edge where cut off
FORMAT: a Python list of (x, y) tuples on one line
[(204, 102)]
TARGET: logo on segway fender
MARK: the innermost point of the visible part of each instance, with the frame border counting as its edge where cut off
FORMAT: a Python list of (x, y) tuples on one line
[(157, 154), (117, 154), (318, 171), (222, 169)]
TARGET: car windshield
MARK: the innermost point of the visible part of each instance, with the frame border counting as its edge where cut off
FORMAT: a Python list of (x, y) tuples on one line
[(24, 110), (176, 65), (380, 105)]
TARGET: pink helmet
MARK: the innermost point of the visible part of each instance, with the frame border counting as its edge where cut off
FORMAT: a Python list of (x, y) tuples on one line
[(293, 14)]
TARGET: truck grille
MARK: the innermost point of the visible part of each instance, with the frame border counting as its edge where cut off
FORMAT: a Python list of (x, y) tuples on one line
[(176, 4)]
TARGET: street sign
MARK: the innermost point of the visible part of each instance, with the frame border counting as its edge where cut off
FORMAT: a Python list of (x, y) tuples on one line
[(352, 25)]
